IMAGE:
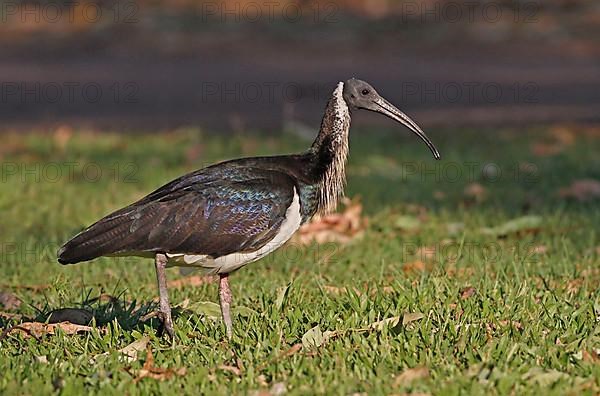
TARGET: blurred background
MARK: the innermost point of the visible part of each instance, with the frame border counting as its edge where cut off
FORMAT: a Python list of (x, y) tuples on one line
[(237, 65)]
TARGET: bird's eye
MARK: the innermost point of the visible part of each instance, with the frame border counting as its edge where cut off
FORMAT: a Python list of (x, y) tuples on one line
[(365, 91)]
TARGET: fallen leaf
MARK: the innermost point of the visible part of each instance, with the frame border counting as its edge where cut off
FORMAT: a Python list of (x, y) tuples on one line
[(43, 359), (38, 329), (10, 315), (411, 317), (461, 272), (574, 285), (9, 300), (414, 266), (467, 292), (389, 322), (334, 289), (341, 227), (157, 373), (130, 352), (513, 323), (72, 315), (475, 191), (62, 135), (560, 139), (539, 249), (593, 356), (439, 195), (410, 375), (231, 369), (543, 149), (520, 224), (581, 190), (292, 351), (313, 338), (278, 389)]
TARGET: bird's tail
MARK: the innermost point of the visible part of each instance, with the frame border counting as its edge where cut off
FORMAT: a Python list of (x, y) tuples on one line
[(100, 239)]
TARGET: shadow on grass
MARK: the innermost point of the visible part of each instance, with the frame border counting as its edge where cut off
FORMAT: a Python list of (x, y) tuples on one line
[(97, 311)]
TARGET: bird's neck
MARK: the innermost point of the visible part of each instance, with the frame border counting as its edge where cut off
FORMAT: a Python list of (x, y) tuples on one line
[(331, 151)]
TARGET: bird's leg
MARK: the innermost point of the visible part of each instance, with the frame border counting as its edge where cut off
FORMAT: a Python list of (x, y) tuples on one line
[(225, 300), (165, 308)]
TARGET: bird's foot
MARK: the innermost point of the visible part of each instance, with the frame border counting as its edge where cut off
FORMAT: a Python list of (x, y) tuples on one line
[(166, 324)]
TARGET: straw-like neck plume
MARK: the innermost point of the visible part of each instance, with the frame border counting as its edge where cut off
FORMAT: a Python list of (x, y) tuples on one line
[(331, 149)]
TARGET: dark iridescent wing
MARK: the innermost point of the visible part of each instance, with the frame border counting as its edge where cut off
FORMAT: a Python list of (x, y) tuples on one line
[(217, 212)]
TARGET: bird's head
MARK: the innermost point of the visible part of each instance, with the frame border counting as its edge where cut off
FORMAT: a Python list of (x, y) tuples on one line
[(359, 94)]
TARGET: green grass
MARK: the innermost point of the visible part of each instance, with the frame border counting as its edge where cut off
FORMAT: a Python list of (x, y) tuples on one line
[(496, 317)]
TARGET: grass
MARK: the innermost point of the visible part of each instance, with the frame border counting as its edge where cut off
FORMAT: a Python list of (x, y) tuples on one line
[(484, 313)]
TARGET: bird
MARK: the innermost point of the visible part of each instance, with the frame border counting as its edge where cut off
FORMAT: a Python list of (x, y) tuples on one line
[(225, 216)]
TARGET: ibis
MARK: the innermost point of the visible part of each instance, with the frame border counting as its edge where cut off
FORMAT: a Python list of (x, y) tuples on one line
[(225, 216)]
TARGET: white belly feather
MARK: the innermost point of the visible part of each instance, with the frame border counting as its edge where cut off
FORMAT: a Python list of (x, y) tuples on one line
[(233, 261)]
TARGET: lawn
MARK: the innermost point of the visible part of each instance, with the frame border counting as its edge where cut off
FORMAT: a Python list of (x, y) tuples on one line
[(477, 274)]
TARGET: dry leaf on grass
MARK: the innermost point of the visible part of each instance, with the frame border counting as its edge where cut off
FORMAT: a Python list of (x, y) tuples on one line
[(62, 135), (560, 139), (475, 191), (539, 249), (230, 369), (591, 356), (394, 321), (277, 389), (388, 322), (9, 300), (10, 315), (194, 281), (574, 285), (315, 338), (414, 267), (581, 190), (410, 317), (131, 352), (157, 373), (467, 292), (461, 272), (511, 323), (38, 329), (334, 289), (337, 227), (410, 375)]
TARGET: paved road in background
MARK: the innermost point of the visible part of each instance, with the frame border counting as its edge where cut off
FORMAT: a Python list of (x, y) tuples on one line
[(268, 90)]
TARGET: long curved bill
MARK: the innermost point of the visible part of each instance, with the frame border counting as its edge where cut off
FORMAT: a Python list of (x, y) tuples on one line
[(386, 108)]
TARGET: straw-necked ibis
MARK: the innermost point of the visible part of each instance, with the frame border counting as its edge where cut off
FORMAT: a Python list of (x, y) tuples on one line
[(227, 215)]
